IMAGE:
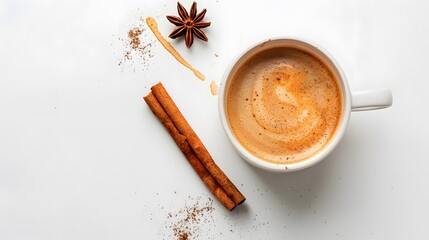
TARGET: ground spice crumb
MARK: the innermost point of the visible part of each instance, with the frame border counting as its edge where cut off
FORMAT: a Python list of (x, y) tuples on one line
[(138, 47), (187, 222)]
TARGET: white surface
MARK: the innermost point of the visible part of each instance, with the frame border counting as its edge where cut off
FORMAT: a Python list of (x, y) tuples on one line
[(82, 157)]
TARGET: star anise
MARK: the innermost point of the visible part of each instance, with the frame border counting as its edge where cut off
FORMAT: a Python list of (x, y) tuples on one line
[(189, 24)]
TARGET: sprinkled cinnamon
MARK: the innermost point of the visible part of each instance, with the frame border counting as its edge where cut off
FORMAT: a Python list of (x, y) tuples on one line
[(187, 222), (137, 47), (134, 34)]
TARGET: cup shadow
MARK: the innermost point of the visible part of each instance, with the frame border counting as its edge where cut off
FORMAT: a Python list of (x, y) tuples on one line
[(297, 190), (301, 190)]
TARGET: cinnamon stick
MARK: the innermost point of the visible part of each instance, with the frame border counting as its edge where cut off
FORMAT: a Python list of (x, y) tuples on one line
[(181, 142), (195, 143)]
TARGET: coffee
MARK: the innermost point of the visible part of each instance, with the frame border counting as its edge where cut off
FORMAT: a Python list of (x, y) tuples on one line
[(283, 104)]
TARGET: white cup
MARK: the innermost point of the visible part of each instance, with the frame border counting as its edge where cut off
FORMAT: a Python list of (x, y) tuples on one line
[(356, 101)]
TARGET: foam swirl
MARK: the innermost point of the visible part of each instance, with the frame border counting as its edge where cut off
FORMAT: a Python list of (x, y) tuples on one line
[(283, 105)]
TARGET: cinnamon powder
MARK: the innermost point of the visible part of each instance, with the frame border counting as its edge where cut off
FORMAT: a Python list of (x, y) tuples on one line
[(188, 221), (133, 35), (137, 47)]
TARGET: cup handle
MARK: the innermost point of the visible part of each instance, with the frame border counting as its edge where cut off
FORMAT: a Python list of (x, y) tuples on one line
[(371, 99)]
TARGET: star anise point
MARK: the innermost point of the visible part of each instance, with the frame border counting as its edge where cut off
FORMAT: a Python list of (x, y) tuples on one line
[(189, 24)]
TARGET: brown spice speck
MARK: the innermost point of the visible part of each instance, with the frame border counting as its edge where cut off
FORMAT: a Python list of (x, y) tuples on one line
[(138, 49), (186, 223), (133, 35)]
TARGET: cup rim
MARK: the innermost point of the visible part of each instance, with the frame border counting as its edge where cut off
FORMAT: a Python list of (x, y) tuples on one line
[(317, 157)]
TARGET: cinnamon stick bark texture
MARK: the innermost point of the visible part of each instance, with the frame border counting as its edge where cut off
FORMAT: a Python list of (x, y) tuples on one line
[(181, 142), (195, 143)]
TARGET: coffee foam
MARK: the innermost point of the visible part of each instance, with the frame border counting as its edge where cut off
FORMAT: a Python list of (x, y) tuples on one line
[(283, 105)]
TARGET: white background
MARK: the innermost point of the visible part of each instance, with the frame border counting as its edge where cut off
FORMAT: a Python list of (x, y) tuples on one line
[(82, 157)]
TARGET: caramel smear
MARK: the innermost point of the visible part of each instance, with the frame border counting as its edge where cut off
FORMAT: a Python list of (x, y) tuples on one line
[(214, 88), (154, 27)]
